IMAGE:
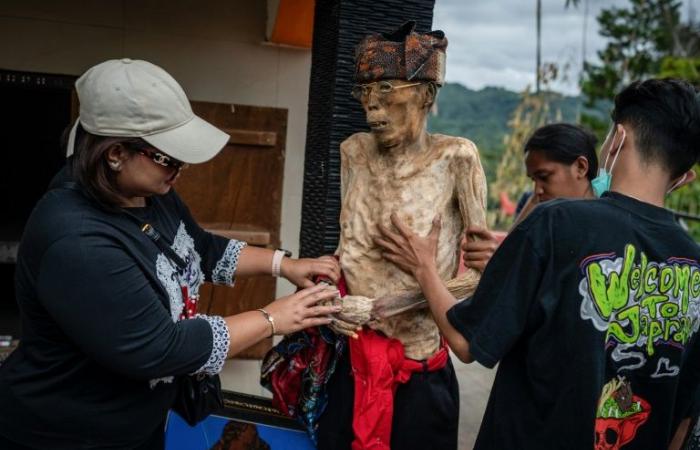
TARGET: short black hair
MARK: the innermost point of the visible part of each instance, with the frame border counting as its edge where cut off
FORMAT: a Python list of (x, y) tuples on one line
[(564, 143), (665, 117)]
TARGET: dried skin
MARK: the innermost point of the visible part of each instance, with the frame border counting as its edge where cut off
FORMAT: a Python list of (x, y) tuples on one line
[(356, 309), (443, 178), (385, 307)]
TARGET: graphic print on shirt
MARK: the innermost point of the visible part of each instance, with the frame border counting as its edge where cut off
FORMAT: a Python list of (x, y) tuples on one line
[(641, 305), (179, 285), (619, 415), (647, 311), (175, 283)]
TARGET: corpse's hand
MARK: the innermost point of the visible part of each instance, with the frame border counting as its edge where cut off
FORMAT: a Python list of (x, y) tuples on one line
[(479, 247), (355, 312), (302, 271), (410, 252)]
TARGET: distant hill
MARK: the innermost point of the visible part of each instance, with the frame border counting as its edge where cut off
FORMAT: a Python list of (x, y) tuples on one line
[(482, 116)]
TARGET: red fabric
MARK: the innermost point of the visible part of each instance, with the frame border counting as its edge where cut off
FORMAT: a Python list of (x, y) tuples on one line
[(286, 381), (378, 366), (507, 206), (189, 308)]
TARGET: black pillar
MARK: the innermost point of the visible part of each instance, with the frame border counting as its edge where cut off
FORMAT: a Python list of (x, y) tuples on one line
[(333, 113)]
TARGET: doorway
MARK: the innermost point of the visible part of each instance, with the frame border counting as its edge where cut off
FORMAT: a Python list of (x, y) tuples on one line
[(35, 110)]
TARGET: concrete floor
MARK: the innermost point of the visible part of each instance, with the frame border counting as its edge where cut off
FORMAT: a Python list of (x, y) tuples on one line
[(474, 386)]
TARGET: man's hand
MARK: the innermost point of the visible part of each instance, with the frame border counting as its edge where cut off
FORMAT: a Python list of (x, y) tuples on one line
[(302, 271), (478, 252), (410, 252)]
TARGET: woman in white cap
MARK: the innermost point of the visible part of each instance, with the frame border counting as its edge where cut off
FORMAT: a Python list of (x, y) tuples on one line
[(109, 271)]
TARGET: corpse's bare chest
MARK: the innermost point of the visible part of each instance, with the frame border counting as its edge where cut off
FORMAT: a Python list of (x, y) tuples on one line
[(414, 194)]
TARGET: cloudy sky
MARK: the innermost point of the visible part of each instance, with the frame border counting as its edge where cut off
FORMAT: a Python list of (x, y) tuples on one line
[(492, 43)]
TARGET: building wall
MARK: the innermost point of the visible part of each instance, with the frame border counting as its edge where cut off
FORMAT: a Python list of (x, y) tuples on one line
[(214, 48)]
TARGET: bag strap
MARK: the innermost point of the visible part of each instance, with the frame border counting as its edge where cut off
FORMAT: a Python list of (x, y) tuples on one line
[(146, 228)]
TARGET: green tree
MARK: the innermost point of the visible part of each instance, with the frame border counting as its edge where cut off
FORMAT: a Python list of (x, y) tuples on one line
[(686, 199), (639, 37), (511, 179)]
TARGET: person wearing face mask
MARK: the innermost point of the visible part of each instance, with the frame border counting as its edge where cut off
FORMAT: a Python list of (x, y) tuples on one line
[(109, 270), (560, 159), (590, 307)]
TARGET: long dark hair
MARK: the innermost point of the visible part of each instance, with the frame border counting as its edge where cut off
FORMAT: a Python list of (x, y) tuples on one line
[(564, 143), (90, 168)]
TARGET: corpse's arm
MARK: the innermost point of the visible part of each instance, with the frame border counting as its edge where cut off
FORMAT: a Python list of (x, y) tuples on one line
[(470, 190), (355, 308)]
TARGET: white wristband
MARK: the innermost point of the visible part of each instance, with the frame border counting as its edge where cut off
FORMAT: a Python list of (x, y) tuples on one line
[(277, 262)]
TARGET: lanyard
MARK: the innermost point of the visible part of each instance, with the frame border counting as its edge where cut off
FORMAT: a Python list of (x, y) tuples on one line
[(190, 301)]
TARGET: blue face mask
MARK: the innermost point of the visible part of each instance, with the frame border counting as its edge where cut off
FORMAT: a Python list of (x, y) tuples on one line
[(601, 183)]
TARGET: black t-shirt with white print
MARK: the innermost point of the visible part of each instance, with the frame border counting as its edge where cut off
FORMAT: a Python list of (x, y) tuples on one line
[(592, 308), (101, 312)]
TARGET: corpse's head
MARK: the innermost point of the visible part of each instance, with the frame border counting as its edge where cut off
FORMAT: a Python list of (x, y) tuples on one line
[(396, 110), (397, 76)]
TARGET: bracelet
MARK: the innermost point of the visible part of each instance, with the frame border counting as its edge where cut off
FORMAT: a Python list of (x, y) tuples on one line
[(277, 262), (270, 319)]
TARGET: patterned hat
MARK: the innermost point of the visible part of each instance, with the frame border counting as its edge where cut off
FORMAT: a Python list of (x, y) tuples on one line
[(402, 54)]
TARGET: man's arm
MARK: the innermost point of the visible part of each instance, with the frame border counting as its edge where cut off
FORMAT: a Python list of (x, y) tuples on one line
[(416, 255), (441, 301), (485, 327)]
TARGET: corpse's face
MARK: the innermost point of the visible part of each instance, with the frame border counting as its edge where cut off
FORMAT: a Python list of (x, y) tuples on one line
[(557, 180), (396, 111)]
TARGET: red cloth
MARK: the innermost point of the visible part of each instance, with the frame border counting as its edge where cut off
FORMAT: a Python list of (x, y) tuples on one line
[(378, 366), (309, 364), (507, 206)]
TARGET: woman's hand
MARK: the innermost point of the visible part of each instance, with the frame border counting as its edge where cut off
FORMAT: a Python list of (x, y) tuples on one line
[(410, 252), (478, 252), (302, 271), (301, 310)]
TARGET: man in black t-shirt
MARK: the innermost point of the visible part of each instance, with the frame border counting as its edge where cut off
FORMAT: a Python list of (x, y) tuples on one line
[(592, 307)]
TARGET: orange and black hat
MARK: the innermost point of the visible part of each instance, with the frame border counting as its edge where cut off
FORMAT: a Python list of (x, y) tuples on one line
[(402, 54)]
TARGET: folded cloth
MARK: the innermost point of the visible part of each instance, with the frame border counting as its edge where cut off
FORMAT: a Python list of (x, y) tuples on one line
[(378, 366)]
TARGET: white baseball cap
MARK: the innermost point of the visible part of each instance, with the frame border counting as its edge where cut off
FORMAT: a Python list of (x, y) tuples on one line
[(133, 98)]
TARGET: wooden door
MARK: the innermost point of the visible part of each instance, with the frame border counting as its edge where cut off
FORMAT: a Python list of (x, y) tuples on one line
[(238, 194)]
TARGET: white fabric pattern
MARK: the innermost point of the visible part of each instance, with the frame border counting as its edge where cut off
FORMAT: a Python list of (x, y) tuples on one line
[(192, 276), (154, 382), (221, 341), (225, 268)]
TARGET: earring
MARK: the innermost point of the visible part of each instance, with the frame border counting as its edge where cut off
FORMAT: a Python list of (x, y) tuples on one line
[(115, 165)]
